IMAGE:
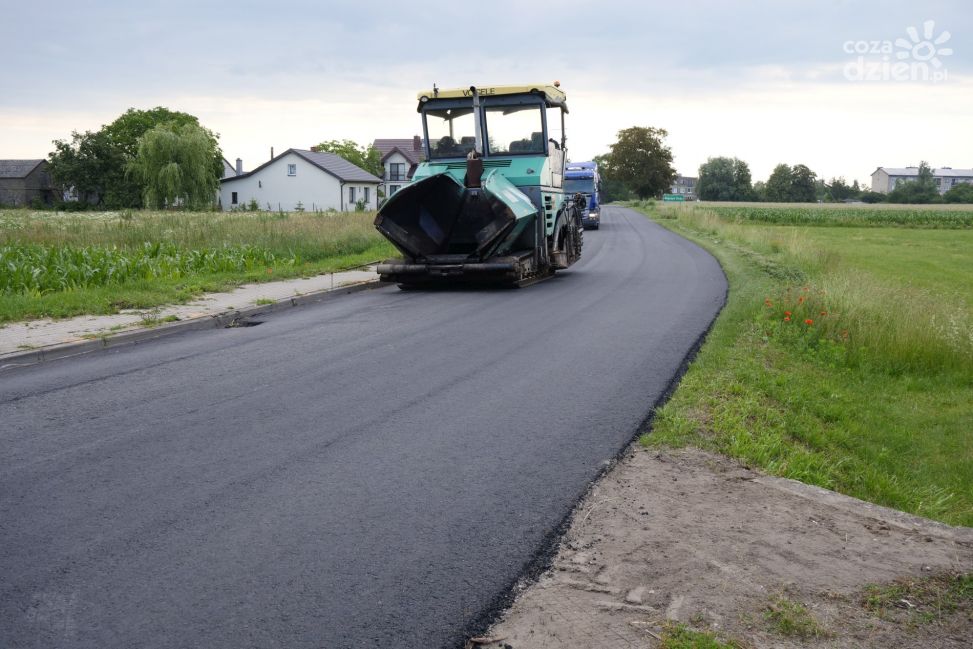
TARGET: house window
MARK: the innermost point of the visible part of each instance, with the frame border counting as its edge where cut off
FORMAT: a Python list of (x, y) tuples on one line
[(233, 200), (366, 195), (393, 189), (351, 195), (396, 171), (292, 170)]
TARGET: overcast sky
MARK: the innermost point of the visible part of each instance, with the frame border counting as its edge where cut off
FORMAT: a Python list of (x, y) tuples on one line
[(767, 82)]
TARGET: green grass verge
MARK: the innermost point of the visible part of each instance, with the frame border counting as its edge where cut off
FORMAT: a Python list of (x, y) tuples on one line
[(62, 265), (789, 618), (843, 358), (921, 600), (679, 636)]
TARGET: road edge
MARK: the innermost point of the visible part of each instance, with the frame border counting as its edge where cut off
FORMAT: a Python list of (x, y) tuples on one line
[(214, 321), (543, 558)]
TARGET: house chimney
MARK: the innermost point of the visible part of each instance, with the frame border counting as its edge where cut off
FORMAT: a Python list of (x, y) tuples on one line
[(416, 143), (239, 167), (271, 153)]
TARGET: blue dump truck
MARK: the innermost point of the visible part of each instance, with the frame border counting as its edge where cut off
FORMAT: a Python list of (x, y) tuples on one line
[(582, 178)]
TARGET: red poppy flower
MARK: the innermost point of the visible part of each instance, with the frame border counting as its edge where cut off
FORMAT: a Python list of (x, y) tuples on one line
[(787, 318), (809, 322)]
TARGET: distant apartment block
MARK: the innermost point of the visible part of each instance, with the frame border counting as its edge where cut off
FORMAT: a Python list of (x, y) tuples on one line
[(686, 186), (884, 179)]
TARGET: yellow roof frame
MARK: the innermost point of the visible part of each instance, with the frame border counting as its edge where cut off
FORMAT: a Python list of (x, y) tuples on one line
[(552, 94)]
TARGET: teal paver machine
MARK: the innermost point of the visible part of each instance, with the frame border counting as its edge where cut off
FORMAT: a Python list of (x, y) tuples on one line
[(488, 203)]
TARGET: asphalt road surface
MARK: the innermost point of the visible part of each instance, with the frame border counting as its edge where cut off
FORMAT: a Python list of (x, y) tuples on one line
[(372, 471)]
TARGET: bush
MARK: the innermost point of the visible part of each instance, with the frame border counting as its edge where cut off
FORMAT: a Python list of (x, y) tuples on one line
[(962, 193), (873, 197), (914, 191)]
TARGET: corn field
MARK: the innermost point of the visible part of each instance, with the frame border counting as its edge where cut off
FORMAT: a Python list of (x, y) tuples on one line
[(39, 269), (846, 216)]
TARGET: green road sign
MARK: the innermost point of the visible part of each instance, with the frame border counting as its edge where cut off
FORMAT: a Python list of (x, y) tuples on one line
[(679, 198)]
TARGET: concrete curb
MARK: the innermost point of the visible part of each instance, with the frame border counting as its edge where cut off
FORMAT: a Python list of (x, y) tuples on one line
[(214, 321)]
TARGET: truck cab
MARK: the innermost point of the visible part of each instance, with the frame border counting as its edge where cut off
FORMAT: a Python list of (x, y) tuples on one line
[(582, 178)]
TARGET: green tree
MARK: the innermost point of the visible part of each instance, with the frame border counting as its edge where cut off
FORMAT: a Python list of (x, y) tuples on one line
[(126, 131), (779, 184), (640, 161), (88, 164), (174, 166), (760, 191), (962, 193), (921, 190), (797, 184), (839, 190), (873, 197), (743, 185), (368, 158), (803, 187), (724, 179), (612, 189), (96, 164)]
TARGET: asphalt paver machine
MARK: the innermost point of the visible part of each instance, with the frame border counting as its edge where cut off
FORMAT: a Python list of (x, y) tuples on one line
[(488, 204)]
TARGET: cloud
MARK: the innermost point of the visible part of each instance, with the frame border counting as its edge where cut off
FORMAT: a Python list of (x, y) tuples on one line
[(87, 50), (293, 74)]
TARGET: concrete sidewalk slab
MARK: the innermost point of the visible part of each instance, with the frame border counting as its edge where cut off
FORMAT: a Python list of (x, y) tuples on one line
[(27, 342)]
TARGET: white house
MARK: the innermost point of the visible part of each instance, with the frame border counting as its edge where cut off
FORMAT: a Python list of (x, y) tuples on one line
[(884, 179), (300, 179), (400, 157)]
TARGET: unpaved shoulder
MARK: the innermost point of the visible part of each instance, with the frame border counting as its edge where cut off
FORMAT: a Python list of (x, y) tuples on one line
[(693, 537)]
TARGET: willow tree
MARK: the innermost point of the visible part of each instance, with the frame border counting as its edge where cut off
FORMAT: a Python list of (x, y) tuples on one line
[(174, 165)]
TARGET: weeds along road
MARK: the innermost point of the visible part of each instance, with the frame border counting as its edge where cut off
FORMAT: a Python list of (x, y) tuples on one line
[(373, 471)]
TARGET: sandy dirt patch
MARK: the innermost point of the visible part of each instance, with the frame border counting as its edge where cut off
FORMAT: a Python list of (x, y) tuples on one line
[(690, 537)]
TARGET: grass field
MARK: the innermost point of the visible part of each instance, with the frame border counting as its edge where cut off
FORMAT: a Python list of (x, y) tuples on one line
[(844, 357), (58, 265), (824, 214)]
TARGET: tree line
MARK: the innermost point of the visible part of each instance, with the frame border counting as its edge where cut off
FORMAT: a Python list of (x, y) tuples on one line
[(639, 165), (159, 158), (146, 158), (156, 158)]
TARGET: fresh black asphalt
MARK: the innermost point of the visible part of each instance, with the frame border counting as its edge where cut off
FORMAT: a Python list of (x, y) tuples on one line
[(372, 471)]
